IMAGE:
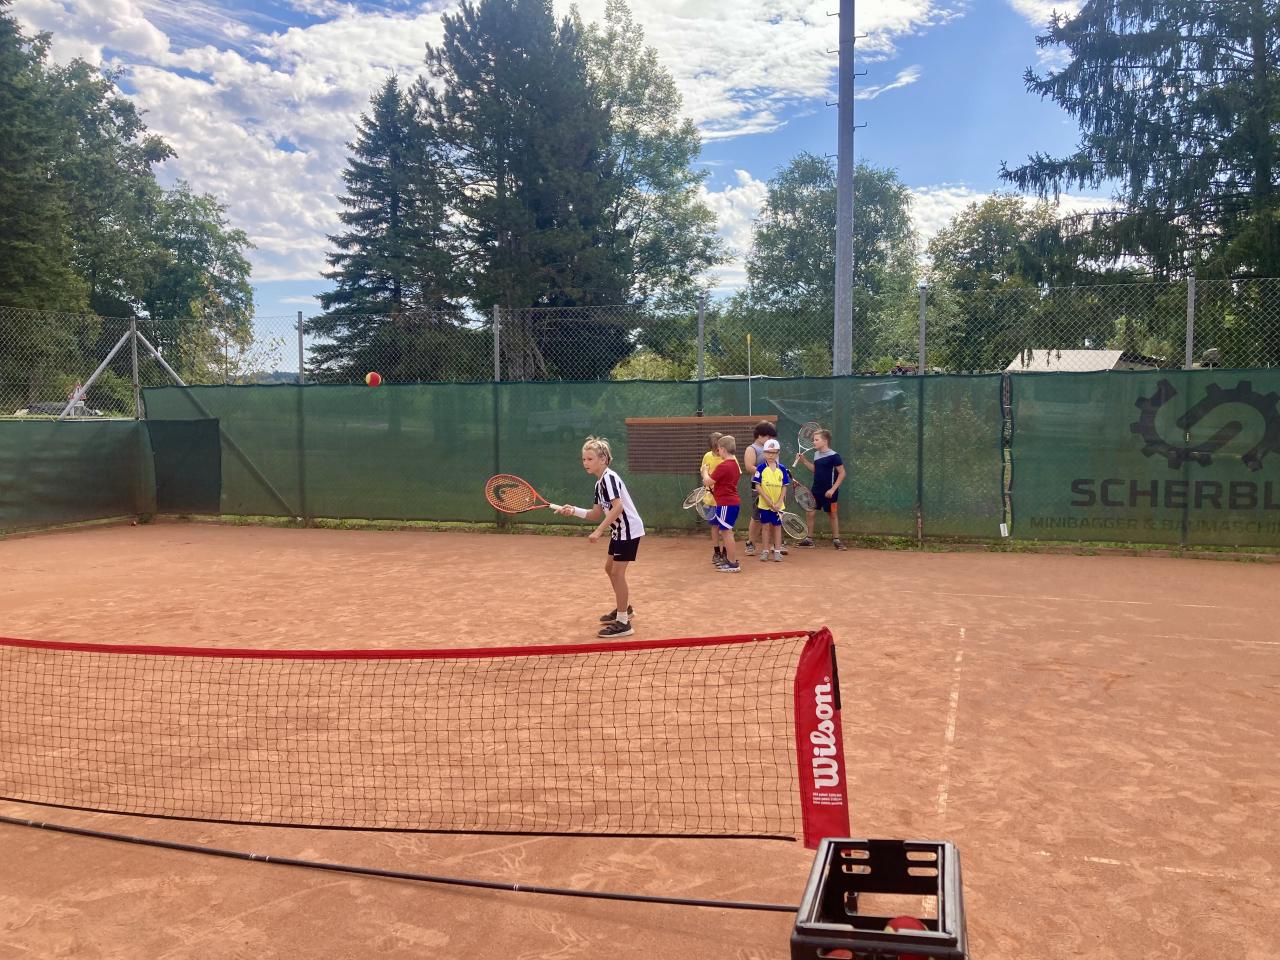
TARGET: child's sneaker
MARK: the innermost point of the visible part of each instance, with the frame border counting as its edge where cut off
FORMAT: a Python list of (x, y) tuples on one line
[(615, 629), (716, 557), (777, 556), (838, 545), (727, 567), (612, 615), (751, 549), (764, 554), (806, 542)]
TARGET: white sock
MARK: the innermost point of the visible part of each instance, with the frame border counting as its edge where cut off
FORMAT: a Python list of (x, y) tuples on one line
[(624, 617)]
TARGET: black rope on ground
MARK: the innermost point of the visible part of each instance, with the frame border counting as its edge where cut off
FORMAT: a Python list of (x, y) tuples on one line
[(397, 874)]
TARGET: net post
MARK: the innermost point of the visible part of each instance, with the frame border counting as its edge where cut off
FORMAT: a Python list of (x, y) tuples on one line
[(497, 343), (924, 299), (137, 390), (920, 461), (824, 801), (302, 369), (1191, 322), (702, 334)]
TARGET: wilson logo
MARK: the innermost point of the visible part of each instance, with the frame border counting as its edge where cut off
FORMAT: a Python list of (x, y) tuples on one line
[(826, 765)]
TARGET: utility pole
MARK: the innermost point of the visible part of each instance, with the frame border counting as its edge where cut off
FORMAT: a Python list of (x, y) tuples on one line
[(842, 342)]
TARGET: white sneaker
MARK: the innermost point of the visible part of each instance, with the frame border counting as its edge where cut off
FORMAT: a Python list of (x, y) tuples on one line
[(777, 556), (764, 554)]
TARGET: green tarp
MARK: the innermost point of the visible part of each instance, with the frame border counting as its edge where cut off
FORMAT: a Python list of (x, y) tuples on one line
[(64, 472), (1179, 457)]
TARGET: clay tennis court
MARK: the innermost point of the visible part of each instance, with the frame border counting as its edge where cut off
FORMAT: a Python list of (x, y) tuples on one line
[(1096, 734)]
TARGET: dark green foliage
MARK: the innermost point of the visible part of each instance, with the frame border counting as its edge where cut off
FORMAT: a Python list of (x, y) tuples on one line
[(87, 227), (788, 304), (393, 307), (1178, 103)]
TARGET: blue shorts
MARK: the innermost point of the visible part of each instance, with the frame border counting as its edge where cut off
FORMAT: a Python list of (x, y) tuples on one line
[(769, 519), (723, 517), (823, 502)]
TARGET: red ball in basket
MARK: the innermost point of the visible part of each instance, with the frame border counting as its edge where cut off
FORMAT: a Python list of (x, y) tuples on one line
[(902, 925), (373, 378), (511, 494)]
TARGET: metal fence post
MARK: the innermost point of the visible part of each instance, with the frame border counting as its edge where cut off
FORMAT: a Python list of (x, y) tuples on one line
[(137, 389), (702, 335), (1191, 321), (497, 343), (302, 368), (924, 299)]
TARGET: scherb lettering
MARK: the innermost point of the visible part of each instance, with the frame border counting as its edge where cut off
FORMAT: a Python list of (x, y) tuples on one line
[(826, 768)]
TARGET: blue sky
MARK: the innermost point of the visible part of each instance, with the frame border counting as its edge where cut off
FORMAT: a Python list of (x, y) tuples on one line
[(259, 99)]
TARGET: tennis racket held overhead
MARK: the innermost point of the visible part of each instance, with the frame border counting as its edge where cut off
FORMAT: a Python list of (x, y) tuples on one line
[(804, 439), (511, 494)]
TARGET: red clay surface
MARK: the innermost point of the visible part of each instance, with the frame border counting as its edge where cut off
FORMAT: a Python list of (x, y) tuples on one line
[(1098, 735)]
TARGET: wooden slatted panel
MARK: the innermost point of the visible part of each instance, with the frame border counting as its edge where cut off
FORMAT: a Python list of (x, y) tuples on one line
[(676, 444)]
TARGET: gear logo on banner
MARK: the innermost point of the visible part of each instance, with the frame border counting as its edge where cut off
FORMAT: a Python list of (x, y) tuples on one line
[(1176, 454)]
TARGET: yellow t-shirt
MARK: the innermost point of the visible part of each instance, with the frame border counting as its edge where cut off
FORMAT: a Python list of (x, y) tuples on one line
[(773, 481), (710, 460)]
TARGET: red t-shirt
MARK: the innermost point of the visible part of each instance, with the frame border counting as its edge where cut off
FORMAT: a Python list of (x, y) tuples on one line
[(724, 480)]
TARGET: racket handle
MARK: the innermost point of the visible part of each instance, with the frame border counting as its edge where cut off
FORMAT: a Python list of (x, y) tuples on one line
[(555, 507)]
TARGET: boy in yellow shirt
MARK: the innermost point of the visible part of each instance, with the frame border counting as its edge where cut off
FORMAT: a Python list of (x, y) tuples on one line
[(770, 481)]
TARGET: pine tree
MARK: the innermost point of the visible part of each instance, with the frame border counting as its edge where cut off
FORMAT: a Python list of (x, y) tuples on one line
[(529, 138), (393, 306), (1178, 103)]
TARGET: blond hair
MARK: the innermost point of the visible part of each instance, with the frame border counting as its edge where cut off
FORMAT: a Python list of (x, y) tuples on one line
[(824, 433), (600, 447), (715, 440), (727, 443)]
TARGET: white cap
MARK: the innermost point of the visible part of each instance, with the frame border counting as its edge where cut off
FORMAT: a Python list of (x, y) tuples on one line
[(772, 444)]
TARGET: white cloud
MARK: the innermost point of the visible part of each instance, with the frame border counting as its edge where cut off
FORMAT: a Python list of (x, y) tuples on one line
[(226, 85), (933, 207), (1038, 12), (743, 66), (736, 207), (904, 79)]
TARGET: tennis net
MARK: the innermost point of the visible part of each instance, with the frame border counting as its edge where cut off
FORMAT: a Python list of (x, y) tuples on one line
[(731, 736)]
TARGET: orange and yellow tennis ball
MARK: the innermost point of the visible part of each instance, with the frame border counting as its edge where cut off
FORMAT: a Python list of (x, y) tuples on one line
[(373, 378)]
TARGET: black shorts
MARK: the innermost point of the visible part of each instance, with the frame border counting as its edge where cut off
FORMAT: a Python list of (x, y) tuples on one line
[(823, 502), (624, 550)]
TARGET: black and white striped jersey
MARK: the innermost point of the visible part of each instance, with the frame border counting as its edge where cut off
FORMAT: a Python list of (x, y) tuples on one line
[(610, 487)]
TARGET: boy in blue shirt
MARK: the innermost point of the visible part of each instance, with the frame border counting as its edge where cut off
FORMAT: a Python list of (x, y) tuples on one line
[(828, 474)]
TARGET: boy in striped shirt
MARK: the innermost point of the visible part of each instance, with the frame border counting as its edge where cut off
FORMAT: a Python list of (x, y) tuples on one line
[(615, 512)]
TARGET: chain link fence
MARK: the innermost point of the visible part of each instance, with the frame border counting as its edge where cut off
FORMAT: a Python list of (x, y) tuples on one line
[(48, 360)]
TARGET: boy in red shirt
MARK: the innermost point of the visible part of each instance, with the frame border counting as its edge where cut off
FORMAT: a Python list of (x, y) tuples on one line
[(723, 481)]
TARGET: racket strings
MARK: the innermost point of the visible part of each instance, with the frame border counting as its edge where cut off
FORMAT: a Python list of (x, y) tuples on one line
[(511, 493)]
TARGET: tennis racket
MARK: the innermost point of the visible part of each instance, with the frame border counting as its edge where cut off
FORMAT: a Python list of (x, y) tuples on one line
[(804, 497), (703, 511), (695, 497), (804, 439), (794, 527), (511, 494)]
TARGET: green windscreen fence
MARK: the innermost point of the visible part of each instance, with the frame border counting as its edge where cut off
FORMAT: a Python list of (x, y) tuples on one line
[(923, 449), (65, 472), (1163, 456), (1169, 456)]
